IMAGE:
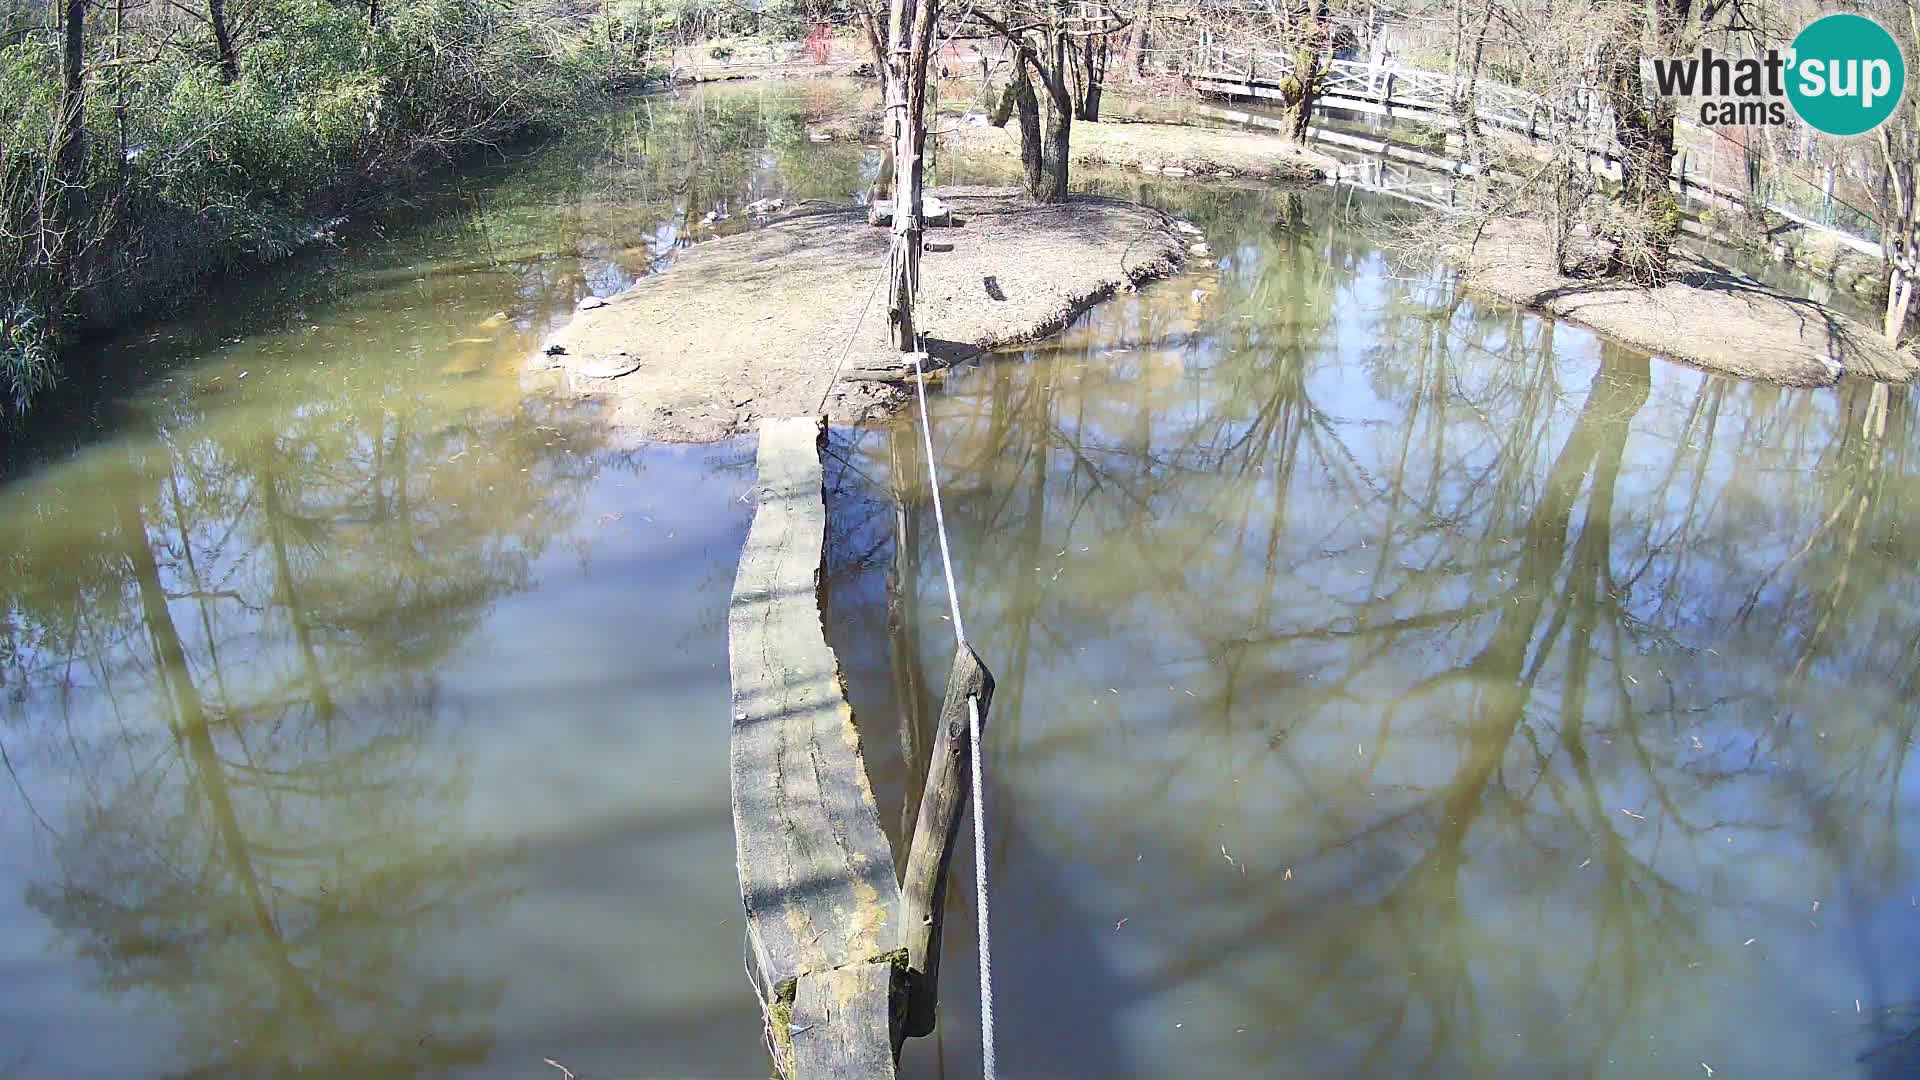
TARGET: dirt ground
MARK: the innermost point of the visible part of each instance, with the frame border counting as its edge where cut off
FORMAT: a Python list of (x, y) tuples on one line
[(1710, 317), (1157, 148), (754, 325)]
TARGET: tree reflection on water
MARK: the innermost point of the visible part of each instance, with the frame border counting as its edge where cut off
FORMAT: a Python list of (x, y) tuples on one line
[(1433, 690), (229, 640)]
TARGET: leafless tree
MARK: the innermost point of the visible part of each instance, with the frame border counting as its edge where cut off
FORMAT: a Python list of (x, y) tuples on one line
[(1898, 141), (909, 36)]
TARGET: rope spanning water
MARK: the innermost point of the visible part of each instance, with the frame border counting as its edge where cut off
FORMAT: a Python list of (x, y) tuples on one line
[(835, 377), (987, 1066)]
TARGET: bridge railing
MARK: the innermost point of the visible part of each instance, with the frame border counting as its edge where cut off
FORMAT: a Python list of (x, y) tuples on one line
[(1582, 117)]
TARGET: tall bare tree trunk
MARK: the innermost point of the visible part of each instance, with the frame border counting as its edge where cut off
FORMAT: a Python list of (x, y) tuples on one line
[(1902, 235), (1563, 204), (1059, 137), (1899, 302), (60, 209), (910, 30), (1644, 130), (72, 152), (1298, 103), (119, 94), (1468, 106), (1897, 241), (876, 37), (1003, 109), (223, 41), (1027, 106), (1060, 111), (904, 263), (1052, 61), (1094, 51), (1752, 159)]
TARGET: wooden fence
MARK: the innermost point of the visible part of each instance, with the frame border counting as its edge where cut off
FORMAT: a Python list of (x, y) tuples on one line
[(1427, 97)]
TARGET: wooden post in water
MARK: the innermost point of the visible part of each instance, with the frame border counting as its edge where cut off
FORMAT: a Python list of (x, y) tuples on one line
[(923, 889), (903, 650)]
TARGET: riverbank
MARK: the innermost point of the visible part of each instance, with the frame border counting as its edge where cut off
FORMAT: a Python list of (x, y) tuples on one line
[(1175, 150), (1708, 316), (756, 324), (730, 59), (191, 172)]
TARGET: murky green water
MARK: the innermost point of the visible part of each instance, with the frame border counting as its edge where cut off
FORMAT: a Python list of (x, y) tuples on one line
[(1389, 684), (363, 716), (1392, 684)]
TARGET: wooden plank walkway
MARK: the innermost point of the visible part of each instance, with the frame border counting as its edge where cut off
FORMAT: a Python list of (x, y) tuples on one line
[(844, 958), (824, 942)]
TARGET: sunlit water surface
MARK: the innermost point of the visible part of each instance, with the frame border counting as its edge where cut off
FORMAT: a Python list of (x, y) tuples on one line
[(1389, 683), (1393, 683)]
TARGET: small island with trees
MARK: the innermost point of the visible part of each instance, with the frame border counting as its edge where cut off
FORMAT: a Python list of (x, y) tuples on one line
[(153, 147)]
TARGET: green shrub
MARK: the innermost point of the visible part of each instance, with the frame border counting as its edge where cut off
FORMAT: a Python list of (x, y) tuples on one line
[(27, 363), (216, 174)]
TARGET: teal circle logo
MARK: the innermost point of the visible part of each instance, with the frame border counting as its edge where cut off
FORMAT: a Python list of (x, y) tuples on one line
[(1846, 74)]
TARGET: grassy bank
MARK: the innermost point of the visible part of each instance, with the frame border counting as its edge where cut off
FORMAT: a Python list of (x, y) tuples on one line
[(178, 154)]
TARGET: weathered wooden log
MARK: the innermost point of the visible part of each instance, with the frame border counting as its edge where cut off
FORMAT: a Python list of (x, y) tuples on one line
[(903, 652), (900, 372), (835, 1016), (923, 889), (816, 874)]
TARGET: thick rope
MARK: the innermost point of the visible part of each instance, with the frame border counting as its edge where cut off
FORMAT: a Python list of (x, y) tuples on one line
[(987, 1066), (933, 480)]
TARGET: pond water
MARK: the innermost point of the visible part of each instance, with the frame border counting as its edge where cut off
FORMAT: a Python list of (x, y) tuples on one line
[(1393, 684), (1389, 683), (364, 714)]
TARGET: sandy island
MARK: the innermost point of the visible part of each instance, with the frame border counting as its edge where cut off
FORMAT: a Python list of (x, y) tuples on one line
[(754, 325), (1708, 317)]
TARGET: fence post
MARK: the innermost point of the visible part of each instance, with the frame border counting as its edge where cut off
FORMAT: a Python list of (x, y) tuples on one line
[(923, 888)]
